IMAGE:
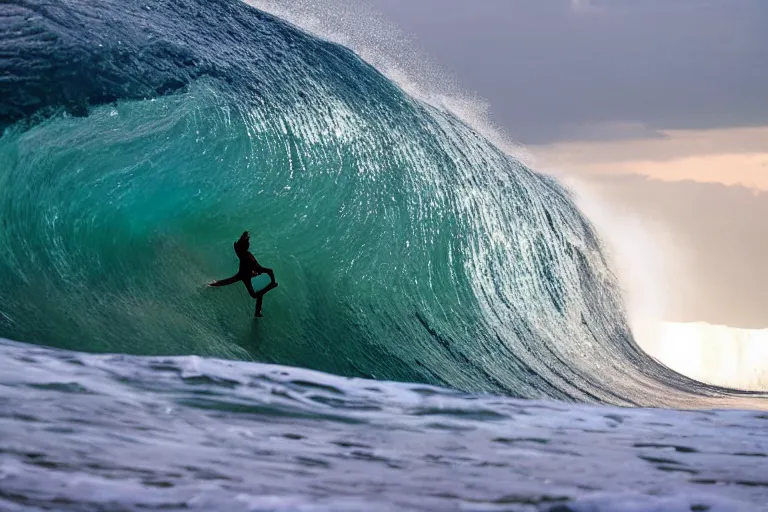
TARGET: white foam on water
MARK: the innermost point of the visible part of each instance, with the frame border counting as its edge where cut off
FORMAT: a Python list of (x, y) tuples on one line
[(715, 354)]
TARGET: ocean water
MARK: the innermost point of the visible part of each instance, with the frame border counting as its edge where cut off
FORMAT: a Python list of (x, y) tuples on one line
[(447, 334), (91, 432)]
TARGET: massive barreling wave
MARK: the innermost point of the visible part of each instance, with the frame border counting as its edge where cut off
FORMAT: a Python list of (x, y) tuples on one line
[(140, 140)]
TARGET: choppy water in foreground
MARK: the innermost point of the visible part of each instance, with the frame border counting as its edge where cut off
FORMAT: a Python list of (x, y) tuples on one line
[(88, 432)]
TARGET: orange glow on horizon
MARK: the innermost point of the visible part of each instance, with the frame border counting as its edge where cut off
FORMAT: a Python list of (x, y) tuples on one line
[(730, 157)]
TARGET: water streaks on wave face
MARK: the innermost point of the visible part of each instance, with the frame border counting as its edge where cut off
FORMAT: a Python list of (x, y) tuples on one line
[(406, 245)]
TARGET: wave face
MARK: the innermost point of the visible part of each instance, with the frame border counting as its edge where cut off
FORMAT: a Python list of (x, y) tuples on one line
[(141, 140)]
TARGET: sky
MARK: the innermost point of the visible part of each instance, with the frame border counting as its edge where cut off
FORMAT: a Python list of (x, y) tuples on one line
[(659, 106), (560, 69)]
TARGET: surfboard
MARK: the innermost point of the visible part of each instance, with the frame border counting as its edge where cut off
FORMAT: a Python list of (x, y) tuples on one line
[(262, 283)]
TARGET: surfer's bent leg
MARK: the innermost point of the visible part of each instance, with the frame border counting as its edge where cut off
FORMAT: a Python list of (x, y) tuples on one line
[(226, 282), (249, 287), (268, 271)]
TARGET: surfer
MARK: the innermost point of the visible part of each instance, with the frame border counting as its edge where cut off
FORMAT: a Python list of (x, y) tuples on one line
[(249, 268)]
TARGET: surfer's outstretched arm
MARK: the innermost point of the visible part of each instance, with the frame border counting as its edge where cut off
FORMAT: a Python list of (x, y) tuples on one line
[(226, 282)]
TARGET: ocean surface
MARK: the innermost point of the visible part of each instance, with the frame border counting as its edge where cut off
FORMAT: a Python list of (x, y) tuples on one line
[(447, 335)]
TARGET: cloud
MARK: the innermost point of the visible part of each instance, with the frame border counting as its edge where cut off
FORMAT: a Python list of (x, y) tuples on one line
[(581, 6), (737, 156), (718, 245), (546, 67), (690, 208), (609, 131)]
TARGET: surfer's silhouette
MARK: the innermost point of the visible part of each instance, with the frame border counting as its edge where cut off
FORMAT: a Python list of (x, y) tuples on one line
[(249, 268)]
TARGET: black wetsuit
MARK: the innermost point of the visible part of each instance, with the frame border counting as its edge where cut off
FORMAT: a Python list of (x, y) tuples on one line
[(249, 268)]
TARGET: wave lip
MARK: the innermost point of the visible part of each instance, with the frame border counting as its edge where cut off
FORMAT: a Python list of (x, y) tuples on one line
[(408, 247)]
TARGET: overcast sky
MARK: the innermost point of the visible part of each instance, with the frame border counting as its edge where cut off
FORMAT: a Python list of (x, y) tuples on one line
[(562, 69), (660, 105)]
